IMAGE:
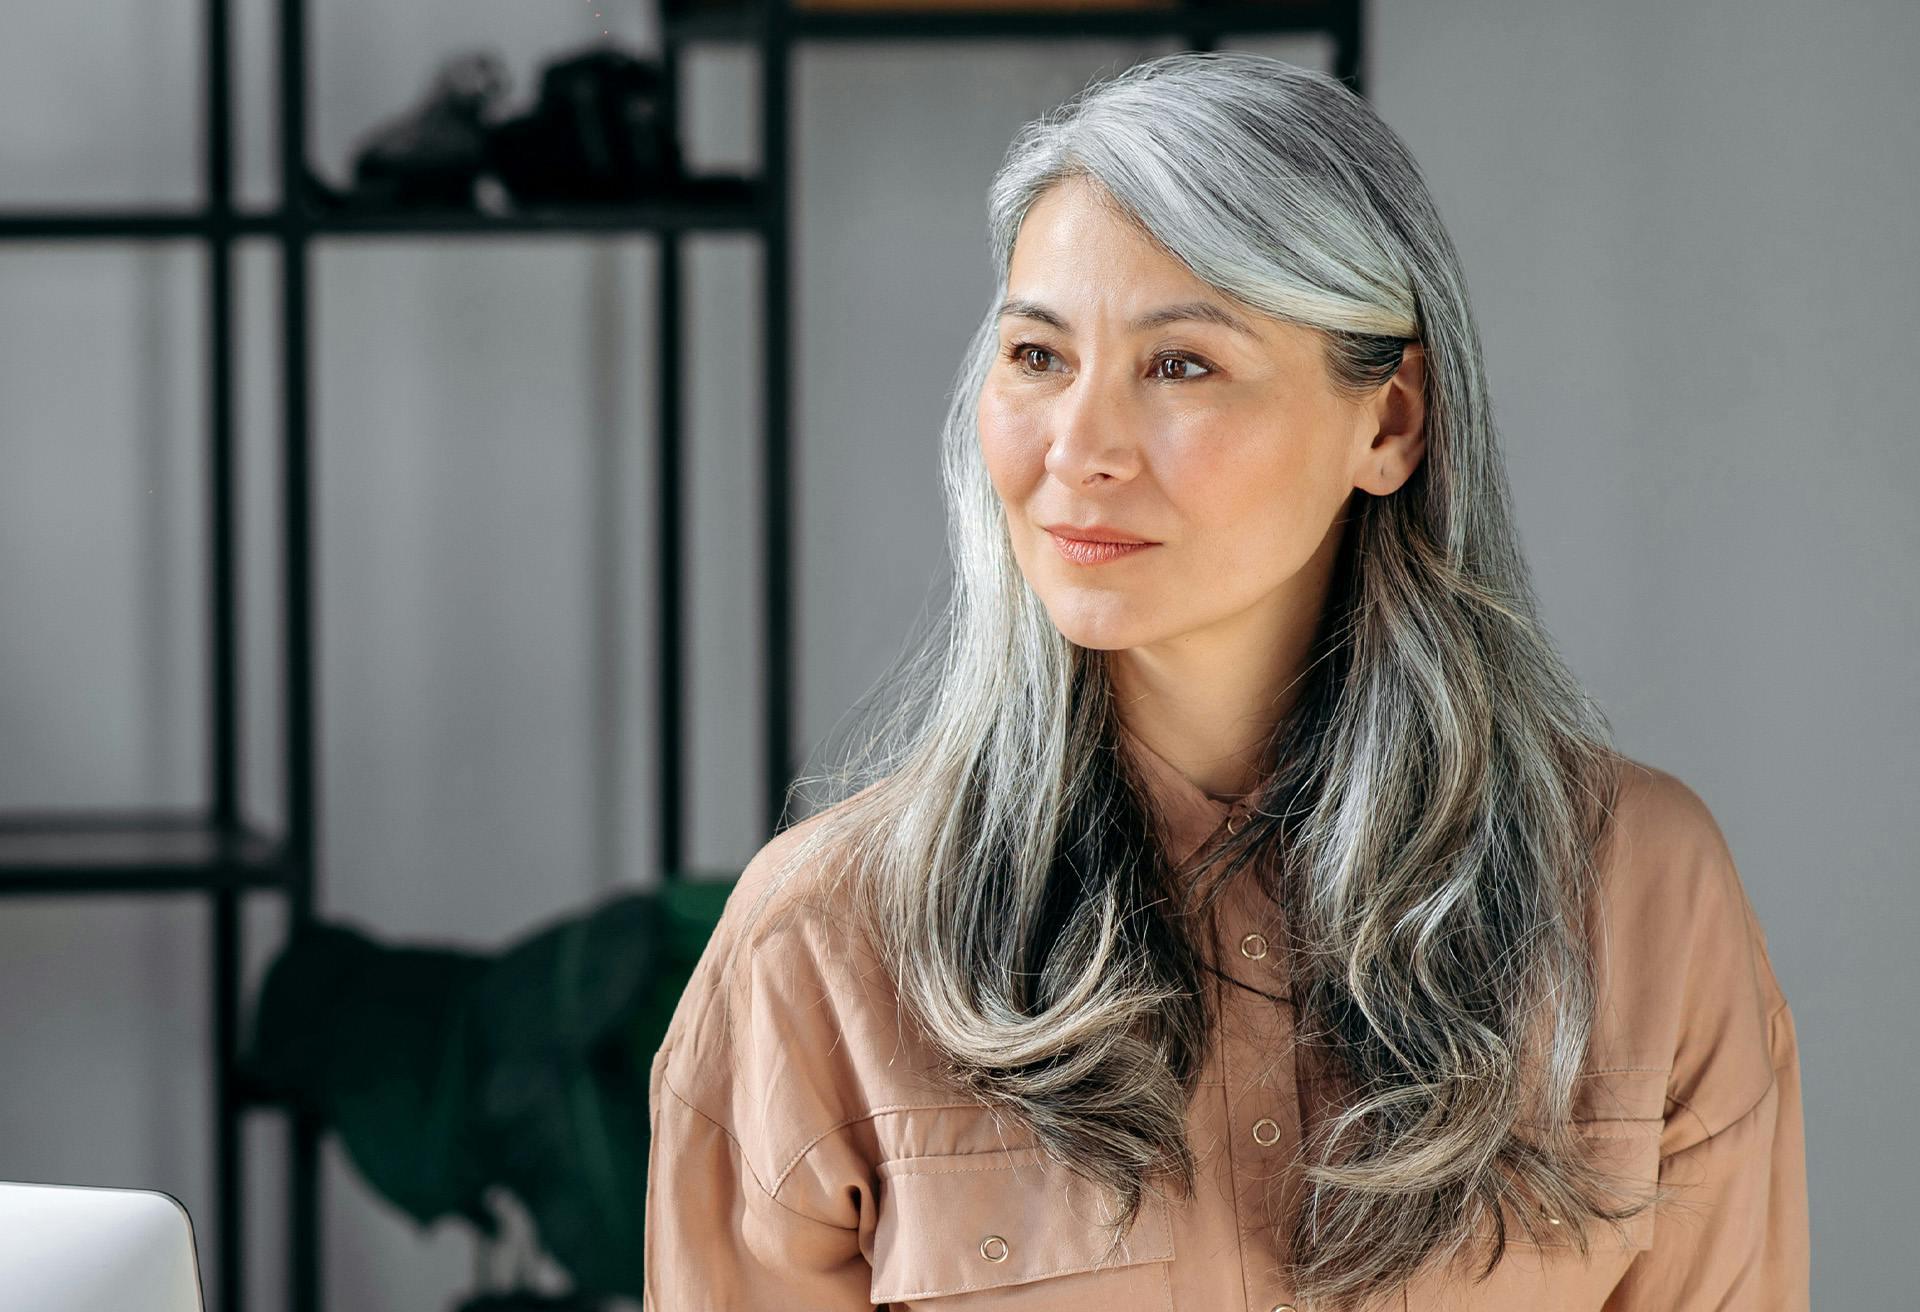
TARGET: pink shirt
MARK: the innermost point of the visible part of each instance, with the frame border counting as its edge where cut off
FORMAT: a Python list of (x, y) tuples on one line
[(806, 1159)]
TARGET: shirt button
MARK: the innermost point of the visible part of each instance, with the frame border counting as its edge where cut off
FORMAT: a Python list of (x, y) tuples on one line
[(993, 1248), (1265, 1132), (1253, 946), (1283, 1307)]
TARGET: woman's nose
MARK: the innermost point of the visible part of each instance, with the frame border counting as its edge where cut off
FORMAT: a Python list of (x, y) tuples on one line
[(1091, 430)]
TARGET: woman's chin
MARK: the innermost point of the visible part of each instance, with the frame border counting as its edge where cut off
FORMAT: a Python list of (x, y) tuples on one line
[(1105, 631)]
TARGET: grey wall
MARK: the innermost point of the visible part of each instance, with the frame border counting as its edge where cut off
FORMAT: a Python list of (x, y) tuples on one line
[(1689, 231)]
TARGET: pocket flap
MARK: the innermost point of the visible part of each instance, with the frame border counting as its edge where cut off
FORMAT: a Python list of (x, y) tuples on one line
[(965, 1221), (1629, 1153)]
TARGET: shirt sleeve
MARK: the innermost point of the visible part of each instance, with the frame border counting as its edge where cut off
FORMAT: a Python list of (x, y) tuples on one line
[(1736, 1234), (758, 1193), (1739, 1237), (715, 1238)]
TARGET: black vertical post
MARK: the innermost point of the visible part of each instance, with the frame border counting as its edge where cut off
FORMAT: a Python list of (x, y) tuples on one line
[(670, 690), (223, 643), (223, 657), (303, 1177), (1202, 36), (1347, 27), (229, 1214), (671, 622), (778, 565)]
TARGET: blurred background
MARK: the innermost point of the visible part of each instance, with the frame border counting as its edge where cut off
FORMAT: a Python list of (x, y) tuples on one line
[(1690, 235)]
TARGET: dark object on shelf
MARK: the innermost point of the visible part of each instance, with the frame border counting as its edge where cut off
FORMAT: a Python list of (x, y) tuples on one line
[(433, 154), (447, 1072), (601, 132)]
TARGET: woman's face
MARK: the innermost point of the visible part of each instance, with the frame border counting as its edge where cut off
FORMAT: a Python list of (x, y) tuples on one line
[(1130, 396)]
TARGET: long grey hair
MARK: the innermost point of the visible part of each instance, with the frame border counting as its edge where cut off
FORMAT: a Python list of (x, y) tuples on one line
[(1437, 793)]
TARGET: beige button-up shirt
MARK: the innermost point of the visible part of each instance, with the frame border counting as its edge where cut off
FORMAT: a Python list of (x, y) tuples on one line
[(805, 1159)]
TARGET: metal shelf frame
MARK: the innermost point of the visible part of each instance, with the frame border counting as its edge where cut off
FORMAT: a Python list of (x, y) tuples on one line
[(215, 853)]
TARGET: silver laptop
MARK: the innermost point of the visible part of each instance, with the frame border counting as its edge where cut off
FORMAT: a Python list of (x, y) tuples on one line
[(77, 1248)]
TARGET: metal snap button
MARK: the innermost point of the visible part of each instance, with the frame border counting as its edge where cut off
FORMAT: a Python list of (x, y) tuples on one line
[(1265, 1132), (1253, 946), (1283, 1307), (993, 1248)]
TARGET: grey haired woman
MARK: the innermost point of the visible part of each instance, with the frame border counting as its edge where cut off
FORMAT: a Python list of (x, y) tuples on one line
[(1240, 905)]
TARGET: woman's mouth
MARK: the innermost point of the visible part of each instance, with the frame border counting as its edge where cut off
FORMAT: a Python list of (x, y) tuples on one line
[(1081, 552)]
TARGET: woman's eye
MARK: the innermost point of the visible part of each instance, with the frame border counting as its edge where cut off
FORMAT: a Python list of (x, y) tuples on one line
[(1187, 360), (1022, 353)]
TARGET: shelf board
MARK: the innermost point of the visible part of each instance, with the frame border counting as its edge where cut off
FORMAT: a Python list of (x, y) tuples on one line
[(132, 852), (718, 204), (740, 213), (132, 224), (1268, 17)]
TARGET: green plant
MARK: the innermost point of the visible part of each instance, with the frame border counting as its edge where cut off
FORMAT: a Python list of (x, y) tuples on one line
[(446, 1072)]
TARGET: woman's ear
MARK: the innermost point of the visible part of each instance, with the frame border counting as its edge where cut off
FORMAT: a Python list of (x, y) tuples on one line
[(1394, 427)]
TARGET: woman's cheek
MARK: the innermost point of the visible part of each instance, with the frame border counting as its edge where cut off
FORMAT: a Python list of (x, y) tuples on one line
[(1008, 442)]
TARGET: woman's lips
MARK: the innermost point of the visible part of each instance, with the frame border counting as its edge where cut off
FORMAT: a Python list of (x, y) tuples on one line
[(1096, 553)]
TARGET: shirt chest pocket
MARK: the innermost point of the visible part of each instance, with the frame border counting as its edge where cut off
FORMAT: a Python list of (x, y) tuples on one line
[(1532, 1276), (1010, 1230)]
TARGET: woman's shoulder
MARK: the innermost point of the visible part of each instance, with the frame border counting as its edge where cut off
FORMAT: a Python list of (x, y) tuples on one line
[(1665, 861), (794, 896), (1685, 985), (790, 916), (1658, 816), (791, 1026)]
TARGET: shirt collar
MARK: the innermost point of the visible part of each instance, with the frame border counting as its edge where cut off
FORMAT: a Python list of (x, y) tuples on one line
[(1187, 816)]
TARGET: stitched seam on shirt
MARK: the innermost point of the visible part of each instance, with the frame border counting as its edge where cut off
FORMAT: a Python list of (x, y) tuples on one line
[(1026, 1276), (1233, 1178), (1646, 1124), (747, 1162), (1226, 1146), (1772, 1083), (967, 1170), (1699, 1120), (1743, 1116), (821, 1137)]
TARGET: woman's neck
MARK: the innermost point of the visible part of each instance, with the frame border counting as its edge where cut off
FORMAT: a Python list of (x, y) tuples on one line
[(1220, 750)]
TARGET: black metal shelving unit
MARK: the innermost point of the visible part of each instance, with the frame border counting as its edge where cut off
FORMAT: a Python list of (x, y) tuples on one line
[(213, 852)]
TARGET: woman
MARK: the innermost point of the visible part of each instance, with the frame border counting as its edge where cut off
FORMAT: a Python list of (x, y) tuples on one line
[(1251, 915)]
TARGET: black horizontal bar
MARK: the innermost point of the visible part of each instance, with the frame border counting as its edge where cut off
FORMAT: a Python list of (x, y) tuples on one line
[(248, 1096), (1307, 16), (134, 225), (91, 820), (132, 852), (643, 216), (134, 881), (740, 212)]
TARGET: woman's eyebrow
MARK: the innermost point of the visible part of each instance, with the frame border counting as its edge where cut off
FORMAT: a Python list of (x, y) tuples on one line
[(1201, 311)]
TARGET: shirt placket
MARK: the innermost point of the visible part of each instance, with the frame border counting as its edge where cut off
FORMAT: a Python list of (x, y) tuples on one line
[(1263, 1118)]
